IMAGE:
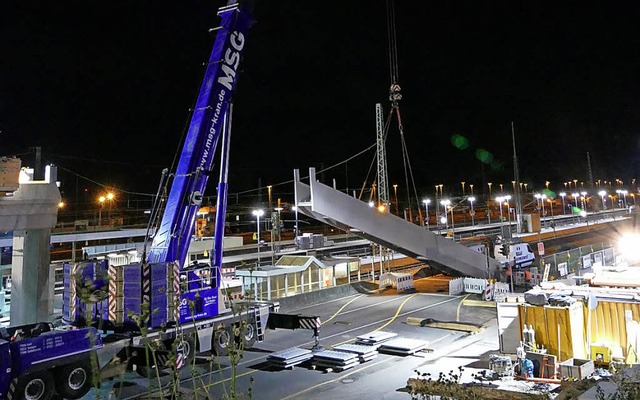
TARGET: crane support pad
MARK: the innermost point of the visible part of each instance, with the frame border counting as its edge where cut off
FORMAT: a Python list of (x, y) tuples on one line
[(291, 321), (451, 325)]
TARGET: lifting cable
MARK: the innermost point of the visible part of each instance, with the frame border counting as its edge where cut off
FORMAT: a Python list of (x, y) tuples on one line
[(395, 96)]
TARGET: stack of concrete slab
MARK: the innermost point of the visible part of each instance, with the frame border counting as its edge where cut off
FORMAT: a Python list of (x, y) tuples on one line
[(375, 338), (289, 357), (402, 346), (336, 360), (365, 353)]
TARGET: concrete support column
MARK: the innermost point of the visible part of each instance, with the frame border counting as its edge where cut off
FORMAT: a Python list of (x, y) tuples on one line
[(286, 285), (32, 284), (269, 288)]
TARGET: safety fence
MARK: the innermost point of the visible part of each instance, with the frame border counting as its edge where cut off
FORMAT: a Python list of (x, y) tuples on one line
[(563, 264), (488, 288)]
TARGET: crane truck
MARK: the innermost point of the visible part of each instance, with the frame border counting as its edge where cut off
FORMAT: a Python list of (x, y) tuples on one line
[(186, 307)]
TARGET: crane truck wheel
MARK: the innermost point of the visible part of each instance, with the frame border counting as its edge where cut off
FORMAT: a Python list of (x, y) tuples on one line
[(35, 386), (248, 335), (187, 349), (74, 380), (222, 341)]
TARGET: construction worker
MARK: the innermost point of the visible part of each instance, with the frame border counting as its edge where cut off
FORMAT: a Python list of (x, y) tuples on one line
[(527, 278)]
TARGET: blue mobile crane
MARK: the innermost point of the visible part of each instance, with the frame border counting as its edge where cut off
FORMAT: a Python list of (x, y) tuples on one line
[(189, 311)]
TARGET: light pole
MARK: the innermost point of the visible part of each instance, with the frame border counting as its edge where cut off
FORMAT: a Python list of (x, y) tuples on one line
[(101, 200), (110, 197), (462, 183), (543, 199), (603, 193), (537, 196), (507, 198), (562, 194), (473, 214), (489, 183), (279, 226), (437, 210), (426, 206), (445, 220), (258, 214), (584, 197), (395, 194), (576, 197), (296, 232), (624, 193), (500, 200)]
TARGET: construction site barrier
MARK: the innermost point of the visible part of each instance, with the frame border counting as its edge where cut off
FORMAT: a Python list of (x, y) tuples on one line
[(475, 285), (399, 281), (488, 292), (456, 286)]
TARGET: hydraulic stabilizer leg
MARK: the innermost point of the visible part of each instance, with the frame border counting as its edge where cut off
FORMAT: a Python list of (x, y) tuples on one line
[(316, 337)]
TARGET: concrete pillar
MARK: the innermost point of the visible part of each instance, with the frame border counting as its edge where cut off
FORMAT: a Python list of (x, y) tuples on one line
[(286, 285), (268, 288), (32, 284)]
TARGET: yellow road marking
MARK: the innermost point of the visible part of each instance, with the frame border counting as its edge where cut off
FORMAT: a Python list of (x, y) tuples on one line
[(342, 308), (459, 306), (397, 312), (387, 323)]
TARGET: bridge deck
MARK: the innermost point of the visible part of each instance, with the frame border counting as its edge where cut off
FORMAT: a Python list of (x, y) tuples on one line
[(340, 210)]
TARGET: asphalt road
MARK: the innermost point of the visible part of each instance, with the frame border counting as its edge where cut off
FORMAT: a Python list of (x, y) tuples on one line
[(384, 377)]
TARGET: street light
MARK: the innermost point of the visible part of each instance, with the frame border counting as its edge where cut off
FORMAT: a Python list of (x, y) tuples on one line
[(562, 194), (575, 198), (296, 232), (426, 206), (110, 197), (444, 219), (258, 214), (101, 200), (500, 199), (395, 193), (279, 226), (537, 196), (507, 198), (584, 197), (603, 193), (471, 200)]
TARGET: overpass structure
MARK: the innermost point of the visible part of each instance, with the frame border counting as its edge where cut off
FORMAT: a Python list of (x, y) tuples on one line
[(30, 212), (335, 208)]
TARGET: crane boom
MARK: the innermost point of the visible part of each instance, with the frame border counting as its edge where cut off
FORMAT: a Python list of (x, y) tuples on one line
[(171, 242)]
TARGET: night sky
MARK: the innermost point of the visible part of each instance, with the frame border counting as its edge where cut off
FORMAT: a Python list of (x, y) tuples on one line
[(105, 89)]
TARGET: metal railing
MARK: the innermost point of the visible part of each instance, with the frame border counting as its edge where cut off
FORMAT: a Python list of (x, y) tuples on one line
[(577, 260)]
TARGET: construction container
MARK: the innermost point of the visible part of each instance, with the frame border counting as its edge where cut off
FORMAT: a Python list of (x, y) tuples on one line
[(576, 368), (9, 174), (559, 330), (608, 326)]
